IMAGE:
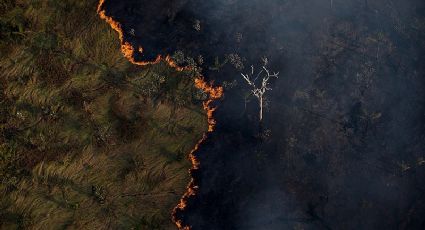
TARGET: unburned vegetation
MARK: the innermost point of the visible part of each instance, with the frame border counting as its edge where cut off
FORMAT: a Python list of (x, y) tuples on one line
[(87, 140)]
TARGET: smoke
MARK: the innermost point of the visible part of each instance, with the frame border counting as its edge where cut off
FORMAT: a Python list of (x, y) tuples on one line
[(342, 143)]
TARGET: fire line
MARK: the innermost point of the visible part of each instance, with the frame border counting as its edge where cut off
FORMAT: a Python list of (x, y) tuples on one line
[(214, 93)]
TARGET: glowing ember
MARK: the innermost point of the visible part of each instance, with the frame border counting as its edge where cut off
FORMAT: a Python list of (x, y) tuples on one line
[(214, 93)]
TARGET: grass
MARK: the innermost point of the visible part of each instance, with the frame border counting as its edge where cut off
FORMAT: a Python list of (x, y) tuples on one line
[(87, 140)]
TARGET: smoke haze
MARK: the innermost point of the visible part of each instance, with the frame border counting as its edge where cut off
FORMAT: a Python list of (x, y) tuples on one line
[(343, 141)]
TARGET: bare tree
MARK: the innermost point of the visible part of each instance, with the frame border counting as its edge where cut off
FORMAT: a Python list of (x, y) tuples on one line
[(259, 90)]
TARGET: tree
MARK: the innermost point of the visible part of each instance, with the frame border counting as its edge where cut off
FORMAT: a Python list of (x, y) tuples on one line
[(259, 90)]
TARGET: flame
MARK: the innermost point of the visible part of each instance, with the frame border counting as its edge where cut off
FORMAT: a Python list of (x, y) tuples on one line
[(191, 188), (126, 48), (214, 93)]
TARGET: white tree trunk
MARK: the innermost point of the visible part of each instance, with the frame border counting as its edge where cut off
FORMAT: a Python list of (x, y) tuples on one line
[(259, 91), (261, 108)]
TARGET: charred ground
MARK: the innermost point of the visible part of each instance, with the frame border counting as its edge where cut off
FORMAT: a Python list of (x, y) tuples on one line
[(343, 142)]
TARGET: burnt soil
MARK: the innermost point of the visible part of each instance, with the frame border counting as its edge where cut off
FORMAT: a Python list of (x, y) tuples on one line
[(342, 144)]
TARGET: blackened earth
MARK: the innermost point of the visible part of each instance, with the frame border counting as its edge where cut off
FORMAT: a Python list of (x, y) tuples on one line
[(342, 145)]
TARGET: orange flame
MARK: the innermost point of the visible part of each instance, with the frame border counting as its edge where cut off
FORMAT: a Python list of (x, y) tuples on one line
[(214, 93), (126, 48), (191, 188)]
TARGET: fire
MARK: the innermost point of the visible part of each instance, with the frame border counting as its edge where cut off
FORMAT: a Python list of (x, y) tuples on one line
[(214, 93), (126, 48), (191, 188)]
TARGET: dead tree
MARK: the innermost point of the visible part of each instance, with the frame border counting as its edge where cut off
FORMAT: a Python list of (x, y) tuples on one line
[(259, 90)]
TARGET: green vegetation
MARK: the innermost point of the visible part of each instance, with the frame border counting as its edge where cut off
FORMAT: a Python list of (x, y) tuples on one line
[(87, 140)]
